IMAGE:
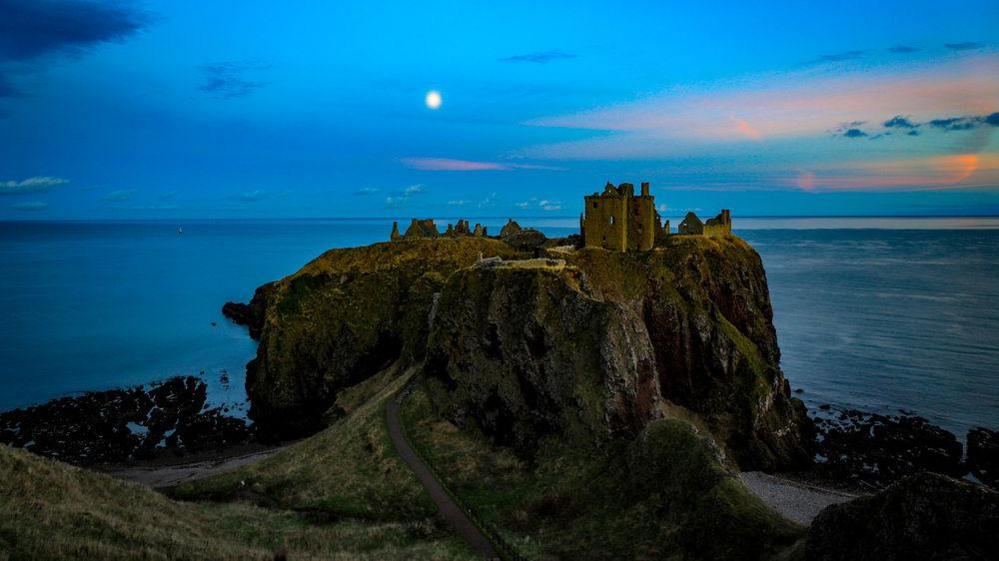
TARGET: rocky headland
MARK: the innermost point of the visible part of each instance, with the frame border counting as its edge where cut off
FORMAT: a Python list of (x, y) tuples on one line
[(589, 404)]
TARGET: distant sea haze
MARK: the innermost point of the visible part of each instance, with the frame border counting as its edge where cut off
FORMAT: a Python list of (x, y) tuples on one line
[(878, 314)]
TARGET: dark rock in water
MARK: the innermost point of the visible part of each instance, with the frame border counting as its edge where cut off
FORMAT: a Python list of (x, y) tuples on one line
[(117, 426), (880, 449), (926, 516), (251, 315), (983, 455)]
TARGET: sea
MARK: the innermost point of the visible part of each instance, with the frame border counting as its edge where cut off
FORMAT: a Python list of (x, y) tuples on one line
[(885, 315)]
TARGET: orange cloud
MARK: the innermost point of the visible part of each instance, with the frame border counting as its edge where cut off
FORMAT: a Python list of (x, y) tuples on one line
[(939, 172)]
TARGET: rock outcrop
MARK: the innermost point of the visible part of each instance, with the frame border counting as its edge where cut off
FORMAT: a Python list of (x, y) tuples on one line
[(881, 449), (983, 455), (588, 348), (343, 317), (926, 516), (525, 350), (596, 347)]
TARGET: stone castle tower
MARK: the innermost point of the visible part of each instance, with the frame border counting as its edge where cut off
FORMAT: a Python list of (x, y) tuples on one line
[(620, 220)]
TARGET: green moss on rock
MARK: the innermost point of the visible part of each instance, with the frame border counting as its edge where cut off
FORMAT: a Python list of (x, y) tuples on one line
[(342, 318)]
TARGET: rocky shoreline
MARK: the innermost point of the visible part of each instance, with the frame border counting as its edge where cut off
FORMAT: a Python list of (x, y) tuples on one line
[(159, 422)]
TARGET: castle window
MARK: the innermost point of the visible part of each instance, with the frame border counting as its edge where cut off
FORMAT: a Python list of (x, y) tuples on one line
[(612, 220), (594, 204)]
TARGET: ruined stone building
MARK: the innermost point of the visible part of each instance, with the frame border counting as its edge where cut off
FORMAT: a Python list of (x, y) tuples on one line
[(426, 228), (717, 226), (620, 220)]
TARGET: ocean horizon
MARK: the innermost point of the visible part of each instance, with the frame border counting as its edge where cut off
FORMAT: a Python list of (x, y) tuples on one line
[(881, 314)]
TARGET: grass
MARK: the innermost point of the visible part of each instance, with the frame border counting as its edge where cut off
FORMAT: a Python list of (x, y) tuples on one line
[(51, 510), (665, 495), (348, 470)]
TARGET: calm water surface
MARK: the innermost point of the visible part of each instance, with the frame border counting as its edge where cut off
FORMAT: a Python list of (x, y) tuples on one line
[(877, 314)]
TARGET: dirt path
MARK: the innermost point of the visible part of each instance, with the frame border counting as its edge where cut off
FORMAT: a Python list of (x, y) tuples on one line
[(450, 511), (165, 475), (797, 501)]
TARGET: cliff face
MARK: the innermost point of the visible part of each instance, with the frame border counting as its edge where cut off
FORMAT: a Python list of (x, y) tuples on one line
[(588, 347), (526, 350), (614, 340), (342, 318)]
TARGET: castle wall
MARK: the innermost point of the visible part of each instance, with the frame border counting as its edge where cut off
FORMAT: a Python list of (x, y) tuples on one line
[(605, 222), (641, 223)]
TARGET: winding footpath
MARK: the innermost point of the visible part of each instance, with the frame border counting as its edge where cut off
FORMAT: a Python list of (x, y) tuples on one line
[(450, 511)]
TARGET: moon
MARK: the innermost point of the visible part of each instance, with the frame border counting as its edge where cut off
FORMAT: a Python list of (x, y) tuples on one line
[(433, 99)]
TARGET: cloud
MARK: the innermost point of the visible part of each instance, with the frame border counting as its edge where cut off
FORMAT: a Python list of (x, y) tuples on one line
[(364, 191), (450, 164), (252, 196), (33, 28), (900, 122), (854, 133), (402, 196), (954, 123), (458, 202), (227, 80), (800, 104), (542, 57), (543, 204), (119, 195), (30, 206), (902, 49), (30, 185), (965, 46), (961, 171), (839, 57)]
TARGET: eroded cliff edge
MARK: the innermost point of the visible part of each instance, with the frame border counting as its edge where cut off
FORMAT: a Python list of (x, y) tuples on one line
[(587, 345)]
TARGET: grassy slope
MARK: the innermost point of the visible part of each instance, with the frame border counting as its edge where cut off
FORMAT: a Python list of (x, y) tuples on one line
[(664, 497), (349, 469), (348, 477), (55, 511)]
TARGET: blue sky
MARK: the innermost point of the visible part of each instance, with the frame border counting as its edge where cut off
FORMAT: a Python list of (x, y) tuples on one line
[(317, 109)]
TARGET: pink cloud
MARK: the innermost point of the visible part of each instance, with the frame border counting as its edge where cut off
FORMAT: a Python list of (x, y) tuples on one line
[(806, 103), (449, 164)]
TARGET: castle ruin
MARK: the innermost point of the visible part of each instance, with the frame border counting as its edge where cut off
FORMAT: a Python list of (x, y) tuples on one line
[(616, 219), (620, 220)]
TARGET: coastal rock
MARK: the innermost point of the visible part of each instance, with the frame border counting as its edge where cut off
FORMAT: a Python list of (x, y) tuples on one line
[(342, 318), (525, 351), (983, 455), (706, 307), (596, 347), (251, 315), (878, 449), (926, 516), (118, 426)]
